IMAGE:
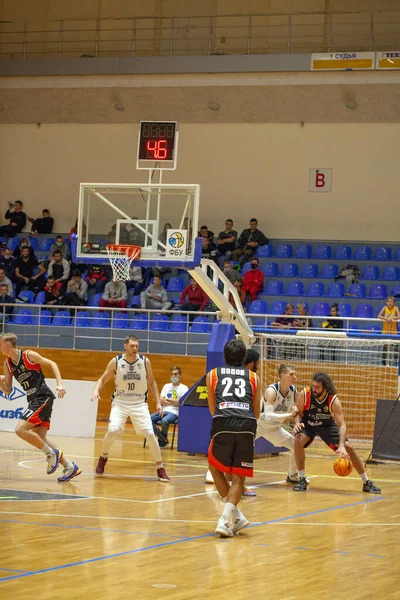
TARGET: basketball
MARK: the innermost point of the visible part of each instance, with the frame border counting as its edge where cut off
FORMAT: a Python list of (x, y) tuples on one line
[(343, 466)]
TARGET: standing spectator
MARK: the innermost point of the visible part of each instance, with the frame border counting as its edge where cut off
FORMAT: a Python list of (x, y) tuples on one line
[(226, 241), (231, 273), (17, 220), (169, 397), (206, 233), (53, 291), (60, 268), (155, 296), (197, 299), (249, 241), (42, 225), (115, 294), (8, 262), (253, 280), (284, 322), (24, 273), (301, 323), (96, 278), (209, 249), (241, 293), (23, 242), (4, 280), (77, 290), (62, 246), (5, 298), (389, 314)]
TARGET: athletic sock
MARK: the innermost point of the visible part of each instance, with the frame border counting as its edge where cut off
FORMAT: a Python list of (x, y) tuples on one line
[(228, 509), (364, 477), (104, 454), (66, 463), (302, 473), (236, 514), (47, 449)]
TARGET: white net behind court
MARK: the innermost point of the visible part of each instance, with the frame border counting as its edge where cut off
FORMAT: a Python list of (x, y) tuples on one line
[(363, 370)]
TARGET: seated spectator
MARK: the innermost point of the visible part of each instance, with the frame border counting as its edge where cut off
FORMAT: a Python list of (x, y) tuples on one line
[(77, 290), (4, 280), (209, 249), (169, 397), (206, 233), (253, 280), (7, 262), (333, 323), (241, 293), (17, 220), (197, 299), (231, 273), (135, 280), (115, 294), (249, 241), (226, 242), (155, 296), (74, 230), (284, 322), (53, 291), (163, 235), (5, 298), (135, 236), (300, 323), (24, 272), (23, 242), (96, 278), (43, 224), (62, 246), (60, 268)]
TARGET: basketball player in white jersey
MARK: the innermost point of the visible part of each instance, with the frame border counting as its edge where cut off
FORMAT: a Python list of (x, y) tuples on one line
[(133, 376), (279, 407)]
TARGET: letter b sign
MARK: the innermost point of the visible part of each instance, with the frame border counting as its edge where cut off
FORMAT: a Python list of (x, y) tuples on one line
[(320, 180)]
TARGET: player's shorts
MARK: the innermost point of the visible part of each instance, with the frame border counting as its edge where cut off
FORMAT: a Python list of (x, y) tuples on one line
[(39, 410), (232, 445), (139, 415), (330, 435)]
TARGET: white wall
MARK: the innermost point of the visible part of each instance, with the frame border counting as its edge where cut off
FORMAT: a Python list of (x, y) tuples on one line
[(244, 171)]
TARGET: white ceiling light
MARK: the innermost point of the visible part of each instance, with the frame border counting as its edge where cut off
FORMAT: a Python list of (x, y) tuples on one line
[(214, 106), (351, 104), (119, 106)]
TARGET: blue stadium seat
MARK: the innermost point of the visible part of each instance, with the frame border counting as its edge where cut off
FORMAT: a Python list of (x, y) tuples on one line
[(371, 273), (135, 301), (47, 244), (140, 321), (27, 296), (289, 270), (377, 291), (357, 290), (13, 243), (200, 325), (309, 271), (343, 253), (295, 288), (95, 301), (34, 242), (329, 271), (178, 324), (364, 311), (62, 318), (397, 255), (395, 291), (335, 290), (163, 282), (45, 318), (383, 253), (321, 309), (22, 317), (303, 251), (100, 319), (277, 307), (323, 252), (315, 288), (391, 273), (120, 321), (284, 251), (82, 318), (264, 251), (362, 253), (159, 323), (258, 307), (176, 284), (246, 267), (274, 288), (270, 269), (344, 310)]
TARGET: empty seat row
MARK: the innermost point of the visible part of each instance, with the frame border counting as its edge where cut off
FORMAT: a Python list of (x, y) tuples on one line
[(362, 311), (325, 252), (316, 289), (328, 271)]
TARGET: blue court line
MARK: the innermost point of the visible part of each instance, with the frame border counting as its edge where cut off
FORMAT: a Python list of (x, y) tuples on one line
[(298, 548), (174, 542), (377, 555), (16, 571)]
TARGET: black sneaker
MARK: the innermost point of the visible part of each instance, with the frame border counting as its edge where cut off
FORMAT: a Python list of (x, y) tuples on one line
[(371, 488), (291, 480), (301, 485)]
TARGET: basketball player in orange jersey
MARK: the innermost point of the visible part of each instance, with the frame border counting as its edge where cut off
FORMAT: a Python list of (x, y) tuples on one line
[(234, 397), (320, 413)]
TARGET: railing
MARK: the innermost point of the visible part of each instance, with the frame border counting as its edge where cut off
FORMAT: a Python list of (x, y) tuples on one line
[(262, 33)]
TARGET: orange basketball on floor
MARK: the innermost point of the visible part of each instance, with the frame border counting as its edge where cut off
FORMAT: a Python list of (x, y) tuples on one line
[(343, 466)]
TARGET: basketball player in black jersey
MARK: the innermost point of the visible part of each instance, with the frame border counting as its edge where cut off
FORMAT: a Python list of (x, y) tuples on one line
[(320, 413), (26, 367), (234, 396)]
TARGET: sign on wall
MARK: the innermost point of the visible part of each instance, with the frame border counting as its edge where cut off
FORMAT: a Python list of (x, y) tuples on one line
[(343, 61), (388, 60), (320, 180), (176, 243)]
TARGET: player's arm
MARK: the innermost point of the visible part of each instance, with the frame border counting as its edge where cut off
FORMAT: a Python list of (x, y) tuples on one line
[(338, 417), (108, 373), (212, 403), (151, 382), (298, 425), (381, 314), (35, 357), (269, 414), (6, 380), (257, 399), (397, 314)]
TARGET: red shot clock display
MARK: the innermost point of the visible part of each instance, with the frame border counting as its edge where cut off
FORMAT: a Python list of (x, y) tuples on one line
[(157, 143)]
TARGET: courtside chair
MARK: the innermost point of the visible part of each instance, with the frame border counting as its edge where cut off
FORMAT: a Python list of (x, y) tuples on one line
[(303, 251), (370, 272), (362, 253), (323, 252), (171, 445)]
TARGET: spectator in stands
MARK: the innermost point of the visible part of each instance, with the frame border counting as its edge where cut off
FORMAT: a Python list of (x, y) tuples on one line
[(209, 249), (4, 280), (253, 280), (241, 293), (193, 298), (24, 272), (135, 236), (115, 294), (8, 262), (389, 314), (155, 296), (5, 298), (206, 233), (17, 220), (249, 241), (43, 224), (226, 242), (60, 268), (284, 322), (169, 397), (53, 291), (333, 323), (96, 278), (163, 235), (135, 280), (302, 323), (231, 273), (77, 290), (22, 243), (62, 246), (74, 230)]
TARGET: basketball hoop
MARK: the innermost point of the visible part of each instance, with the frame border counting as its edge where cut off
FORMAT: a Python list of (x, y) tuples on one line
[(121, 256)]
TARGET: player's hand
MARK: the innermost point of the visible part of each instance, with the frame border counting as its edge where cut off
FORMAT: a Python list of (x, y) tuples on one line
[(61, 391), (95, 396), (342, 452), (159, 409), (294, 411), (298, 427)]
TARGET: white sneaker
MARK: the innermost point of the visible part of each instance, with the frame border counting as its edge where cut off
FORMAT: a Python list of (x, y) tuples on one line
[(223, 529), (209, 478), (239, 523)]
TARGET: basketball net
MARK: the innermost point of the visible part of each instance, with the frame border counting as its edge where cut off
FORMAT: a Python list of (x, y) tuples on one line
[(121, 257)]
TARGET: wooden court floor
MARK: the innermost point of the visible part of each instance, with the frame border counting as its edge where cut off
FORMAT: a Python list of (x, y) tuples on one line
[(126, 535)]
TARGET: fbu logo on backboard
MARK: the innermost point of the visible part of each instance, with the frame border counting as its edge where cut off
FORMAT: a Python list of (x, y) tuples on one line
[(176, 243)]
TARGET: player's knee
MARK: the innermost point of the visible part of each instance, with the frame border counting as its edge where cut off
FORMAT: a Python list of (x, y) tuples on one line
[(114, 430), (20, 430), (348, 446)]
